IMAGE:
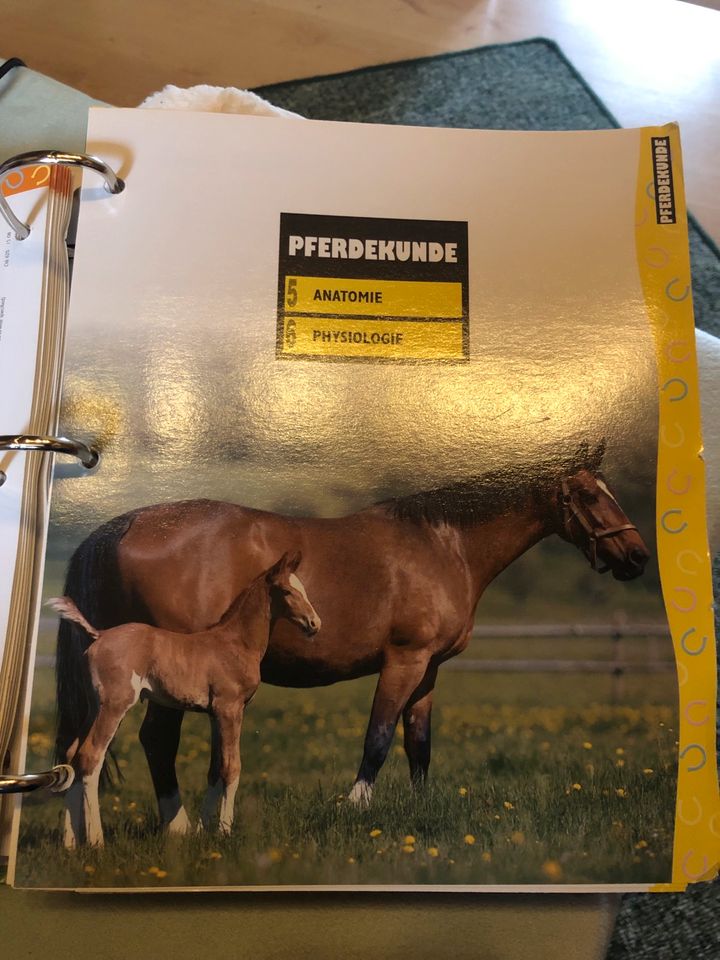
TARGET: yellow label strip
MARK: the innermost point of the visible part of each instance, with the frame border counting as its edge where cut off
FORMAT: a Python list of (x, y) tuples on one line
[(402, 340), (376, 298)]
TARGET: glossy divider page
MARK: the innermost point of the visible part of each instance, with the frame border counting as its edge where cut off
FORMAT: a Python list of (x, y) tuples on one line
[(381, 411)]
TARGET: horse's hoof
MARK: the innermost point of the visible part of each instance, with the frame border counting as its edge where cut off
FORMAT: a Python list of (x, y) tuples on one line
[(180, 824), (361, 794)]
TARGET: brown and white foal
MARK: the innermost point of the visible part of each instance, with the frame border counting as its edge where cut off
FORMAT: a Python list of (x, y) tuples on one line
[(215, 670)]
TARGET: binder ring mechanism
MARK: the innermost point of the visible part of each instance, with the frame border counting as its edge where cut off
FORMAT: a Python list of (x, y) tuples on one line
[(88, 456), (113, 183), (58, 779)]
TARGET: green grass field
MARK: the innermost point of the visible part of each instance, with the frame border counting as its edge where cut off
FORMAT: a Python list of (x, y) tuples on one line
[(576, 791)]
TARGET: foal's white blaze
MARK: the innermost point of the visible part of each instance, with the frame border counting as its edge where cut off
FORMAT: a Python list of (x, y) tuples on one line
[(297, 583), (603, 486)]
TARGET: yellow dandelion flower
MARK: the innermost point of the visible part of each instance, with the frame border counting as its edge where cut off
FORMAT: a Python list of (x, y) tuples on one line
[(587, 745), (275, 855), (115, 808), (469, 839), (263, 775), (486, 856), (433, 851), (132, 805), (160, 874), (408, 848), (375, 832), (648, 771), (518, 838), (497, 816), (215, 855), (463, 791), (508, 805), (619, 751), (619, 763), (620, 792), (351, 860), (641, 844), (409, 839), (577, 786), (89, 870), (153, 869), (296, 856), (552, 870), (380, 851), (450, 860), (139, 819)]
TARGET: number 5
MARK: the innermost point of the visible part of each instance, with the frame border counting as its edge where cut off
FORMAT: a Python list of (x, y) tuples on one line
[(291, 294)]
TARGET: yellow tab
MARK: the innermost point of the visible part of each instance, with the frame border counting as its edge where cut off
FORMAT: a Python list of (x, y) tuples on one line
[(683, 553), (405, 340), (375, 298)]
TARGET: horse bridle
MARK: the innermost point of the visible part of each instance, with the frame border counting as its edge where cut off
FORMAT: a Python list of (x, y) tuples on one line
[(572, 510)]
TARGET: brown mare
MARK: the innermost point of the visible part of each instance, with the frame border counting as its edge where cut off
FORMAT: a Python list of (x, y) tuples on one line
[(215, 670), (396, 586)]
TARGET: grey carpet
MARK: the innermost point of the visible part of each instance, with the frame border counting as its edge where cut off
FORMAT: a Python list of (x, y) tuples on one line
[(527, 86)]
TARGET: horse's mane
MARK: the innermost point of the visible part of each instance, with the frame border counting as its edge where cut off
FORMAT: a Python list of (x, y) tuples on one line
[(489, 495)]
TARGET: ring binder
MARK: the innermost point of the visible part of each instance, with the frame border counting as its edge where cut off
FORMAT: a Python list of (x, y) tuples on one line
[(87, 455), (58, 779), (113, 183)]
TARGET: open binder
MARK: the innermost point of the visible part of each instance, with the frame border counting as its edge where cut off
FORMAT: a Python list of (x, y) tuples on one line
[(339, 353)]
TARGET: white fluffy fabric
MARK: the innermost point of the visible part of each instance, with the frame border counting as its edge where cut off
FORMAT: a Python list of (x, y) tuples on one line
[(207, 99)]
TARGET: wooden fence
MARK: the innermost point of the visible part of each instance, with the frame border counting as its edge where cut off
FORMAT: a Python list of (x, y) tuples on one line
[(617, 665)]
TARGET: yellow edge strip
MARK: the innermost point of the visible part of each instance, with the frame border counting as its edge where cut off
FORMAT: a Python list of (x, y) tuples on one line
[(683, 553)]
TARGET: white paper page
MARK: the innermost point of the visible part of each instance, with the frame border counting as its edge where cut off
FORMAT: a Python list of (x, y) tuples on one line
[(21, 280)]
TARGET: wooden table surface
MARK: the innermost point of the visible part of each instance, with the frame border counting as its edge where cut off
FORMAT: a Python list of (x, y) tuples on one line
[(649, 60)]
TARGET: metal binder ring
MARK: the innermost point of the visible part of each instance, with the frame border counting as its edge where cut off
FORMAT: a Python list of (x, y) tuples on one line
[(88, 456), (113, 183), (58, 779)]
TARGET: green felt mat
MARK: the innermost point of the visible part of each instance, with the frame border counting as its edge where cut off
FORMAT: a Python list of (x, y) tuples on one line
[(527, 86)]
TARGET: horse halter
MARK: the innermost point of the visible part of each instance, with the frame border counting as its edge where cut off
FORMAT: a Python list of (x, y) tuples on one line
[(573, 510)]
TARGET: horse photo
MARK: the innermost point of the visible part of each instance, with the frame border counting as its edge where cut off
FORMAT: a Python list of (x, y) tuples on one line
[(396, 586), (216, 671)]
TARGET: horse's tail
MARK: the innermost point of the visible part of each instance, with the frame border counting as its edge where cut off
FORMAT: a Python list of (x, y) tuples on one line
[(92, 585), (68, 611)]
